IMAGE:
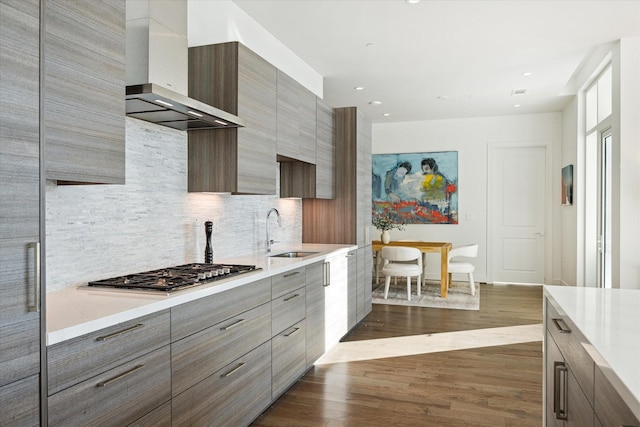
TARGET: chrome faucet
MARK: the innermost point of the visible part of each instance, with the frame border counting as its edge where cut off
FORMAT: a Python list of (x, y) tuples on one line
[(269, 241)]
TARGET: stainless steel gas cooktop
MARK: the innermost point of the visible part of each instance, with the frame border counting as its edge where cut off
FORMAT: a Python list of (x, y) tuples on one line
[(175, 278)]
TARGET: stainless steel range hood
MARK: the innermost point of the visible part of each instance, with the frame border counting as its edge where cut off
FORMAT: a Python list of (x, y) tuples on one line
[(157, 69), (157, 104)]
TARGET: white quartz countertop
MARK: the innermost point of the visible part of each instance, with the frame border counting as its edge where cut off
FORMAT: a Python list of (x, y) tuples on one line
[(610, 320), (78, 310)]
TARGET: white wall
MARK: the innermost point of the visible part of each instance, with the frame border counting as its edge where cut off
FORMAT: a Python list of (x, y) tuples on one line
[(625, 119), (99, 231), (216, 21), (470, 137)]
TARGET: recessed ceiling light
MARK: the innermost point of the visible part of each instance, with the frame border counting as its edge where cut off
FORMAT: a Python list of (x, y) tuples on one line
[(358, 88), (516, 106), (375, 102), (527, 74), (386, 114), (413, 1)]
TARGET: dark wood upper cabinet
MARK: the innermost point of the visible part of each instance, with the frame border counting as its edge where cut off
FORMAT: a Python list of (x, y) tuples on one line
[(347, 218), (84, 91), (231, 77)]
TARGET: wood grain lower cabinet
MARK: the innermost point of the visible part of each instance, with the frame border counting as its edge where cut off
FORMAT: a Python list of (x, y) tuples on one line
[(79, 359), (567, 405), (118, 396), (84, 92), (159, 417), (288, 358), (20, 402), (365, 278), (199, 355), (577, 391), (352, 289), (609, 406), (315, 313), (233, 396), (191, 317)]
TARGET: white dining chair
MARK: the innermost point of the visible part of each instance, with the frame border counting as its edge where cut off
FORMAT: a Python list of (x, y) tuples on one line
[(397, 264), (467, 251)]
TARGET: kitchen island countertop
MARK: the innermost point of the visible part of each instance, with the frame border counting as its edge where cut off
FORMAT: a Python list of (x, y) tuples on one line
[(78, 310), (610, 320)]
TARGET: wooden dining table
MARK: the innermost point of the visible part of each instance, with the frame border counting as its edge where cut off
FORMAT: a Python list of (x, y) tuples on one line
[(425, 247)]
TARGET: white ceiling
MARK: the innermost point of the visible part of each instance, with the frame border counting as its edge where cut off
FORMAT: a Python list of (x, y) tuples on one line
[(471, 52)]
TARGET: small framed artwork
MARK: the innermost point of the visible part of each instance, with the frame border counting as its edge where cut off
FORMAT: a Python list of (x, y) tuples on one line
[(567, 185)]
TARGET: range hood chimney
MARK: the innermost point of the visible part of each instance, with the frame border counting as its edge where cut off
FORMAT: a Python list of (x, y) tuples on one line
[(157, 69)]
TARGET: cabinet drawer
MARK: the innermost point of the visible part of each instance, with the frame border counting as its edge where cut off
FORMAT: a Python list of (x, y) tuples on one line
[(287, 282), (288, 358), (189, 318), (76, 360), (287, 310), (233, 396), (569, 341), (201, 354), (609, 406), (159, 417), (116, 397)]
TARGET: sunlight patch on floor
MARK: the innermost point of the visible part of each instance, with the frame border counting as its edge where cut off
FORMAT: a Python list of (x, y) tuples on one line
[(354, 351)]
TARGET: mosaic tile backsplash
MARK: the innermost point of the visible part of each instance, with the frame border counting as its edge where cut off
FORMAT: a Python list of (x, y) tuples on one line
[(99, 231)]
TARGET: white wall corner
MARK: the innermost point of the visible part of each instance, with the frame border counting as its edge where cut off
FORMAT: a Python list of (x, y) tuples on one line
[(214, 21)]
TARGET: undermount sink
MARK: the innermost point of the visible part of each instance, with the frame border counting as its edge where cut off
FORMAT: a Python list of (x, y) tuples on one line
[(292, 254)]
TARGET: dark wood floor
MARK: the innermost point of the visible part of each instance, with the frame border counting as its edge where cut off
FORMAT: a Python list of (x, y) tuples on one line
[(489, 386)]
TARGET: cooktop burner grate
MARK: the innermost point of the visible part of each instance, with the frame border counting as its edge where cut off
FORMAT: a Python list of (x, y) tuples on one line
[(175, 278)]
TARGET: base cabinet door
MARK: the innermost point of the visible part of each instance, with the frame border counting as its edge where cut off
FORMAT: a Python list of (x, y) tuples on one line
[(233, 396), (20, 402), (288, 358), (115, 397), (352, 277), (315, 318)]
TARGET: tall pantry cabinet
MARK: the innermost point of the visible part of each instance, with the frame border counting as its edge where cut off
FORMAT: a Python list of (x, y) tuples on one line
[(20, 188), (346, 219)]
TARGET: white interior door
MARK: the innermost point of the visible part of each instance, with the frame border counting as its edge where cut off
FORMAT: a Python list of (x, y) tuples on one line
[(517, 182)]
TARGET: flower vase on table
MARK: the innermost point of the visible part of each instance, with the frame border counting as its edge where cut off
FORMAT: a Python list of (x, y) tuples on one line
[(385, 237)]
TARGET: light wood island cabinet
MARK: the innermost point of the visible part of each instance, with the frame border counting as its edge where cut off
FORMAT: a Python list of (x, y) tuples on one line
[(231, 77), (577, 392)]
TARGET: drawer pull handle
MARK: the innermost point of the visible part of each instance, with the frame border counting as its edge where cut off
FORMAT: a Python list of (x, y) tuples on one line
[(286, 276), (565, 329), (234, 324), (120, 376), (560, 392), (291, 297), (117, 334), (233, 371), (292, 332)]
